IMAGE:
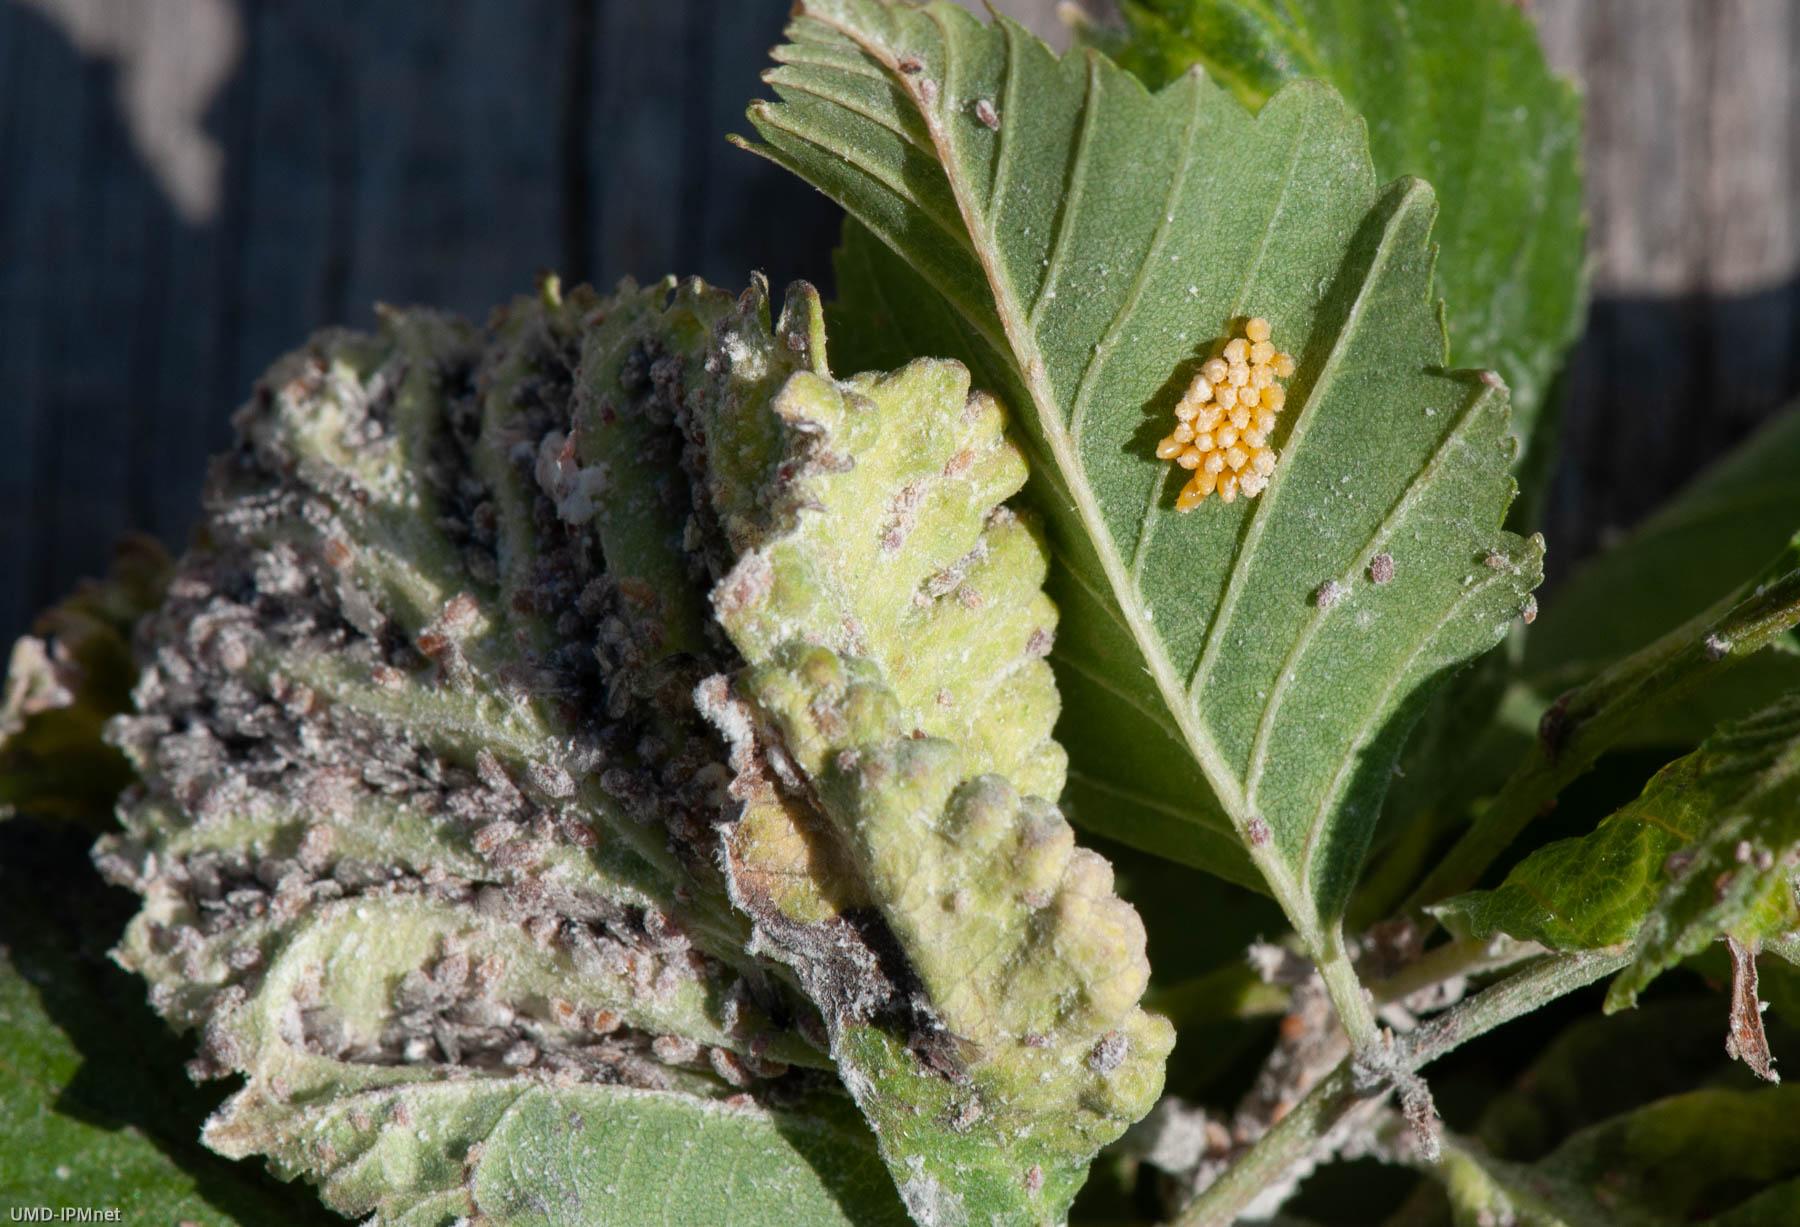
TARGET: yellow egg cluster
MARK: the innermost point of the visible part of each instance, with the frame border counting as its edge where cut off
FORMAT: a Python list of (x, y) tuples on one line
[(1225, 418)]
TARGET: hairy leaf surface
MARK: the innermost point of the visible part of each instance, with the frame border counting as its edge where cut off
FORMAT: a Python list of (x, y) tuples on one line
[(1457, 94), (1708, 850), (1082, 244), (98, 1112), (418, 1147)]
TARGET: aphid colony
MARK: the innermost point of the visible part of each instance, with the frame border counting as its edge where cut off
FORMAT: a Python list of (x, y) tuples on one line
[(1225, 418)]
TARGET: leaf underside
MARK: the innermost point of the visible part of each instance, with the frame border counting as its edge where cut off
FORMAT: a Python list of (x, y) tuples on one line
[(1082, 255), (1456, 94), (409, 850)]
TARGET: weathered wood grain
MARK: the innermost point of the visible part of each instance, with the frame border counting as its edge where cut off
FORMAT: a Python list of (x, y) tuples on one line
[(1693, 161), (445, 152)]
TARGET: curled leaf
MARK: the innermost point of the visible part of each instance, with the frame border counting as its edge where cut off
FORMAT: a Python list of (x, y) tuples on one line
[(499, 794), (890, 614)]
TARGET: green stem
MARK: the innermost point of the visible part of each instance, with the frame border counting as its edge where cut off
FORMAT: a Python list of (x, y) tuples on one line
[(1335, 1096), (1346, 991), (1593, 717)]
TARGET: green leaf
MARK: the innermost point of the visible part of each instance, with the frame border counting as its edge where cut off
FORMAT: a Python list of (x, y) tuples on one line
[(66, 1159), (1083, 252), (1608, 709), (1678, 1160), (1456, 94), (97, 1111), (1603, 1065), (1716, 536), (1706, 851)]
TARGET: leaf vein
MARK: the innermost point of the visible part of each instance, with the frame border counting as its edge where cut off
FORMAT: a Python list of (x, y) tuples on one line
[(1148, 525), (1098, 677), (1102, 351), (1328, 800), (1071, 202), (1421, 482), (806, 86), (1244, 563), (957, 236)]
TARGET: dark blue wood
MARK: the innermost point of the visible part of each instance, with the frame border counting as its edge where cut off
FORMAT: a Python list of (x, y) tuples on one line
[(441, 152)]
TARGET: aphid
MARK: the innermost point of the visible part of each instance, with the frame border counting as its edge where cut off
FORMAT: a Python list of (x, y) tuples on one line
[(1224, 419)]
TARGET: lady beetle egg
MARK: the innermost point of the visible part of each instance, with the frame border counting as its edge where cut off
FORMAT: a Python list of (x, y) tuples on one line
[(1225, 418)]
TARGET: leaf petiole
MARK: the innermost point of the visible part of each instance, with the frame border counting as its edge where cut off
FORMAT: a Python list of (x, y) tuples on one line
[(1302, 1130)]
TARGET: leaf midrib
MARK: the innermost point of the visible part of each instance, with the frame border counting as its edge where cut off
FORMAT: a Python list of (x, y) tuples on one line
[(1021, 344)]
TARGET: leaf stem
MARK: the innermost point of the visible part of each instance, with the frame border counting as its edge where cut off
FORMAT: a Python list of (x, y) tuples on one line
[(1348, 996), (1588, 720), (1299, 1132), (1483, 1179)]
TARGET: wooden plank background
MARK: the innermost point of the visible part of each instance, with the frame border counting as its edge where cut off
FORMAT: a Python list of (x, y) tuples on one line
[(187, 187)]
